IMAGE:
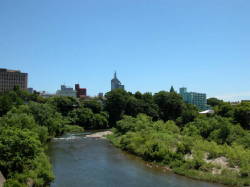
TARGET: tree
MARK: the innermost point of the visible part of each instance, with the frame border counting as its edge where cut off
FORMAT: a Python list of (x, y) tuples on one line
[(242, 115), (214, 101), (82, 116), (170, 105), (224, 110), (18, 147), (46, 115), (94, 104), (5, 104), (134, 106), (190, 112), (115, 104), (64, 104)]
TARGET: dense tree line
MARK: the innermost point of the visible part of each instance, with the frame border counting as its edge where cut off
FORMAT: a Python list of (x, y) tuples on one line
[(146, 124), (178, 136), (163, 105), (28, 122)]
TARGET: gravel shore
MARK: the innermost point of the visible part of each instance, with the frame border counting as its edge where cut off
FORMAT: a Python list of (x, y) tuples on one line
[(99, 134)]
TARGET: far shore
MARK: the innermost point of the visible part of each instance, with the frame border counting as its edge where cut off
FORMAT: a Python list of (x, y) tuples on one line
[(101, 134)]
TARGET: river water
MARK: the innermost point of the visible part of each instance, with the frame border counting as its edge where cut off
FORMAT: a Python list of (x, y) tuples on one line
[(79, 161)]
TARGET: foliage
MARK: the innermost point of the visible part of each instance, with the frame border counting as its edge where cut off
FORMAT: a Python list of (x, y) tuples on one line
[(63, 104), (242, 115), (11, 140), (73, 128), (187, 150), (85, 118), (115, 104), (94, 104), (170, 105), (214, 101)]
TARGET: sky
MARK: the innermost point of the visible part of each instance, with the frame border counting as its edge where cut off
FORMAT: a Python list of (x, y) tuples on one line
[(152, 44)]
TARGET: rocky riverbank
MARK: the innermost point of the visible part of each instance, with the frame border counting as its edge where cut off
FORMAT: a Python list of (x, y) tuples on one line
[(99, 134)]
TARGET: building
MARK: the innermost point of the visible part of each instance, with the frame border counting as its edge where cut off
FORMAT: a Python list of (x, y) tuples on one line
[(197, 99), (80, 92), (30, 90), (207, 112), (100, 95), (66, 91), (115, 83), (46, 94), (11, 78)]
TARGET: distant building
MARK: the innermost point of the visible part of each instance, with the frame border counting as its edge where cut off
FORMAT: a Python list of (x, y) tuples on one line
[(11, 78), (100, 94), (80, 92), (115, 83), (30, 90), (46, 94), (197, 99), (172, 89), (66, 91)]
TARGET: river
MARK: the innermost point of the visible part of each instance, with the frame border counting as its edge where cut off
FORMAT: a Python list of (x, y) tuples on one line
[(79, 161)]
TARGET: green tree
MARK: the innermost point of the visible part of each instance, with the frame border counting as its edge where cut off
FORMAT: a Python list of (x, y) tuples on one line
[(18, 147), (115, 104), (224, 110), (95, 105), (242, 115), (214, 101), (170, 105), (64, 104)]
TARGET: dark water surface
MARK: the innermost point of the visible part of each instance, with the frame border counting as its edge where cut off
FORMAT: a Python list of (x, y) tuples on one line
[(79, 161)]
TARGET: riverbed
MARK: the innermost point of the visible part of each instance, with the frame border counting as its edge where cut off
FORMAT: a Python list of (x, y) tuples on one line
[(80, 161)]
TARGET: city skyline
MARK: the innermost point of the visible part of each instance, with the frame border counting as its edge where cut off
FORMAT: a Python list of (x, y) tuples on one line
[(152, 45)]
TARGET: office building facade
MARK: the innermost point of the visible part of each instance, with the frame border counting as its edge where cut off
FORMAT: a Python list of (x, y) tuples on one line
[(115, 83), (11, 78), (197, 99)]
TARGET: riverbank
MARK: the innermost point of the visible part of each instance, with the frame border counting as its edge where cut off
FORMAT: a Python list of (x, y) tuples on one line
[(95, 162), (191, 156), (101, 134)]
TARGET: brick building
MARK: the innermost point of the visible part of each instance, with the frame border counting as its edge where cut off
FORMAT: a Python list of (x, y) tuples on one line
[(80, 92)]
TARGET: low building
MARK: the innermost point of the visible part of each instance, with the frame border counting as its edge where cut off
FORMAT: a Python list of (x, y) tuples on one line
[(30, 90), (66, 91), (197, 99), (46, 94), (11, 78)]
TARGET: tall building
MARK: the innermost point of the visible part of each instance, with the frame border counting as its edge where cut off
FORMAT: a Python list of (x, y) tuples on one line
[(80, 92), (11, 78), (115, 83), (66, 91), (197, 99)]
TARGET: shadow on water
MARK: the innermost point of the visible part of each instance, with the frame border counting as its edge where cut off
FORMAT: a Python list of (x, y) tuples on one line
[(79, 161)]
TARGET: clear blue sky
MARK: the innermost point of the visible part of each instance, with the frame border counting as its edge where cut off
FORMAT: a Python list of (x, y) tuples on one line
[(152, 44)]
